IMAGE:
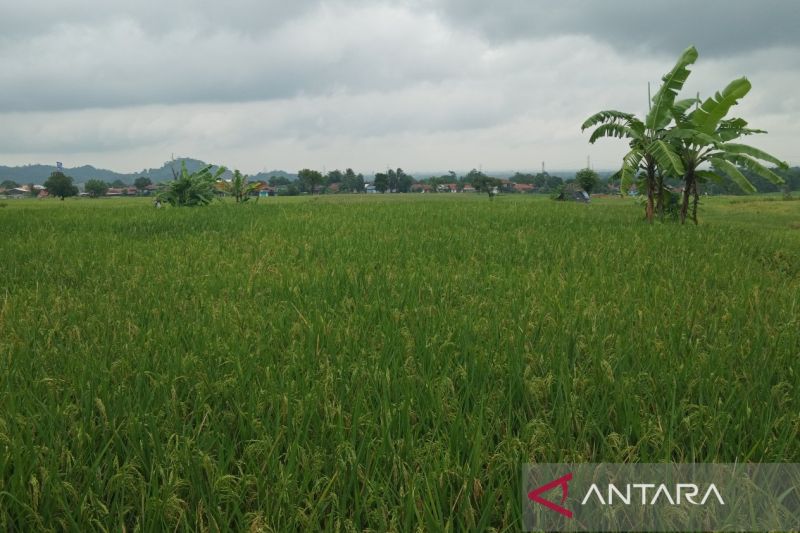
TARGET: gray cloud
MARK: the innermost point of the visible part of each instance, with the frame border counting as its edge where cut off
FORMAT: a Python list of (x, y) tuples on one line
[(120, 62), (716, 27), (23, 20), (306, 83)]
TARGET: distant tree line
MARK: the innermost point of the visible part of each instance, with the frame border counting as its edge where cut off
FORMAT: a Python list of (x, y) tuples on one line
[(398, 181), (95, 187), (314, 182)]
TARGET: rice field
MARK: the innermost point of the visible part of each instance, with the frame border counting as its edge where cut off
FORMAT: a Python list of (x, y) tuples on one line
[(381, 363)]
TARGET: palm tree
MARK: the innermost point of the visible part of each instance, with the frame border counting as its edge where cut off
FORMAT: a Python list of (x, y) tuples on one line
[(649, 151), (703, 136), (191, 189)]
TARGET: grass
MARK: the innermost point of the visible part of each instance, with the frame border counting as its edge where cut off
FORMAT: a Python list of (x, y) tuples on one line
[(383, 363)]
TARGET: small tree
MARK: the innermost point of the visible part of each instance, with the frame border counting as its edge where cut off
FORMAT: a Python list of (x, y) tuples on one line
[(483, 183), (310, 179), (142, 183), (567, 191), (278, 181), (381, 182), (334, 176), (649, 151), (553, 183), (9, 184), (191, 189), (60, 185), (352, 182), (704, 136), (96, 188), (404, 181), (587, 179), (239, 187)]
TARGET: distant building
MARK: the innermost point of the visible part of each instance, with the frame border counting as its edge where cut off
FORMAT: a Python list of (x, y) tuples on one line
[(17, 192), (23, 191), (262, 189)]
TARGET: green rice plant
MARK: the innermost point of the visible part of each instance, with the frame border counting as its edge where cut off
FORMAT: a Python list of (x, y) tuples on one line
[(380, 362)]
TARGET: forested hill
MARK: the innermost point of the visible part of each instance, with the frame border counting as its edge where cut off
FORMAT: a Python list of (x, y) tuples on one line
[(38, 173)]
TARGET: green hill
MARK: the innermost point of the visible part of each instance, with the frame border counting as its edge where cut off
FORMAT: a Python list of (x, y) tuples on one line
[(38, 173)]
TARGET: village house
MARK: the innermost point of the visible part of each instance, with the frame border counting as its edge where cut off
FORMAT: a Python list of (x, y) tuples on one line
[(24, 191), (263, 189), (16, 192)]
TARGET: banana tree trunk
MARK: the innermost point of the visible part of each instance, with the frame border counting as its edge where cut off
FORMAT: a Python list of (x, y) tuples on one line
[(696, 200), (688, 181), (651, 182), (660, 195)]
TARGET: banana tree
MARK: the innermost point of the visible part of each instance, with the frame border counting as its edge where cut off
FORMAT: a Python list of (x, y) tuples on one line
[(649, 150), (190, 189), (239, 187), (704, 137)]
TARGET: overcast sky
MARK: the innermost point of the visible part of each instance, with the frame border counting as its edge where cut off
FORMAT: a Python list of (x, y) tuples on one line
[(420, 84)]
